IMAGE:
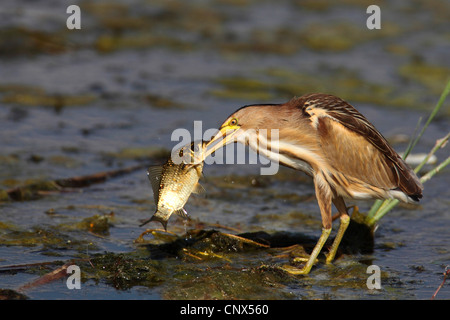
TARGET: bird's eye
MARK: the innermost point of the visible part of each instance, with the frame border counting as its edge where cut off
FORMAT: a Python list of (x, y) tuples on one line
[(233, 122)]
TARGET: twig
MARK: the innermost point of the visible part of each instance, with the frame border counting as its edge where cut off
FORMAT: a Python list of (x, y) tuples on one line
[(245, 240), (48, 277), (431, 173), (140, 239), (440, 143), (218, 225), (56, 274), (15, 267), (446, 273)]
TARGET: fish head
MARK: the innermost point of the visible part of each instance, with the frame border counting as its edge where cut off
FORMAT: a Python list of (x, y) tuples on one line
[(190, 154)]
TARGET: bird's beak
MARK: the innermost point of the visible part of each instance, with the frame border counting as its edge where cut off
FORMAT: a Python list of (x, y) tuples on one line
[(226, 133)]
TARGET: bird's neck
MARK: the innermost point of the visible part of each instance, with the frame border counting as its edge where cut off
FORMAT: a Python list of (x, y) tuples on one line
[(287, 153)]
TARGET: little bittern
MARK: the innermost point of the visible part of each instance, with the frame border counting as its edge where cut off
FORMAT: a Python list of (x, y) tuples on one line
[(332, 142)]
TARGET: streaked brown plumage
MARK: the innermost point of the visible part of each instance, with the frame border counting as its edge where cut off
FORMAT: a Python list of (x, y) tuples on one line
[(332, 142), (357, 151)]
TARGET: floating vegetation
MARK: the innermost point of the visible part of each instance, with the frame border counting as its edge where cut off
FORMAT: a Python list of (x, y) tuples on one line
[(16, 41), (261, 42), (97, 224), (161, 102), (342, 36), (430, 76), (39, 189), (38, 97), (108, 44), (9, 294), (240, 182), (123, 271), (323, 5), (140, 153), (280, 83), (243, 89), (49, 239)]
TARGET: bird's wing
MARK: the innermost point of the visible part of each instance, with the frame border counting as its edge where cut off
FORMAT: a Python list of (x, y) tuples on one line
[(355, 147), (353, 156)]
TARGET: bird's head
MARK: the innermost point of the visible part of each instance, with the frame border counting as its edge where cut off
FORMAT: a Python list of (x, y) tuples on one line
[(233, 128)]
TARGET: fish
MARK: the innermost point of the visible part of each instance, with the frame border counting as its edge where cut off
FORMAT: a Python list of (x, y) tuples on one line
[(175, 181)]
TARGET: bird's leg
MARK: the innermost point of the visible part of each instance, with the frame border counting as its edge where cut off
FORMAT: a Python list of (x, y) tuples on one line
[(323, 194), (312, 258), (345, 220)]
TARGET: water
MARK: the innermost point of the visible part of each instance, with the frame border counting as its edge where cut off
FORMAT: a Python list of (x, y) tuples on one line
[(108, 96)]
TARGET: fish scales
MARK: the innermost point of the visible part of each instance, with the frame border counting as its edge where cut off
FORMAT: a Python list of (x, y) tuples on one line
[(173, 184)]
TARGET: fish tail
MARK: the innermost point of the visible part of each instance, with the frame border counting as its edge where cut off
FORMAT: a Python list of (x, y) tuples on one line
[(156, 217), (145, 222)]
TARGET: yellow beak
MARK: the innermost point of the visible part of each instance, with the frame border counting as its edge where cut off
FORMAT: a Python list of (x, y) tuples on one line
[(227, 134)]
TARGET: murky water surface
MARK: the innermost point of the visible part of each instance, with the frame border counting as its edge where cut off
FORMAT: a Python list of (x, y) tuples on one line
[(75, 103)]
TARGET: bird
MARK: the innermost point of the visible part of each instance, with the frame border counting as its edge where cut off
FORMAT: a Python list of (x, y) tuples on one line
[(328, 139)]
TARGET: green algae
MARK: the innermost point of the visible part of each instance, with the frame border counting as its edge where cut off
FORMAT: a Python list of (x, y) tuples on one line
[(234, 181), (15, 41), (49, 239), (262, 41), (202, 264), (243, 88), (343, 36), (285, 84), (9, 294), (139, 153), (32, 191), (64, 161), (160, 102), (125, 270), (230, 283), (430, 76), (47, 100), (325, 5), (207, 264), (124, 29), (37, 189), (25, 95), (97, 224), (229, 271), (107, 43), (200, 280), (321, 37), (199, 242)]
